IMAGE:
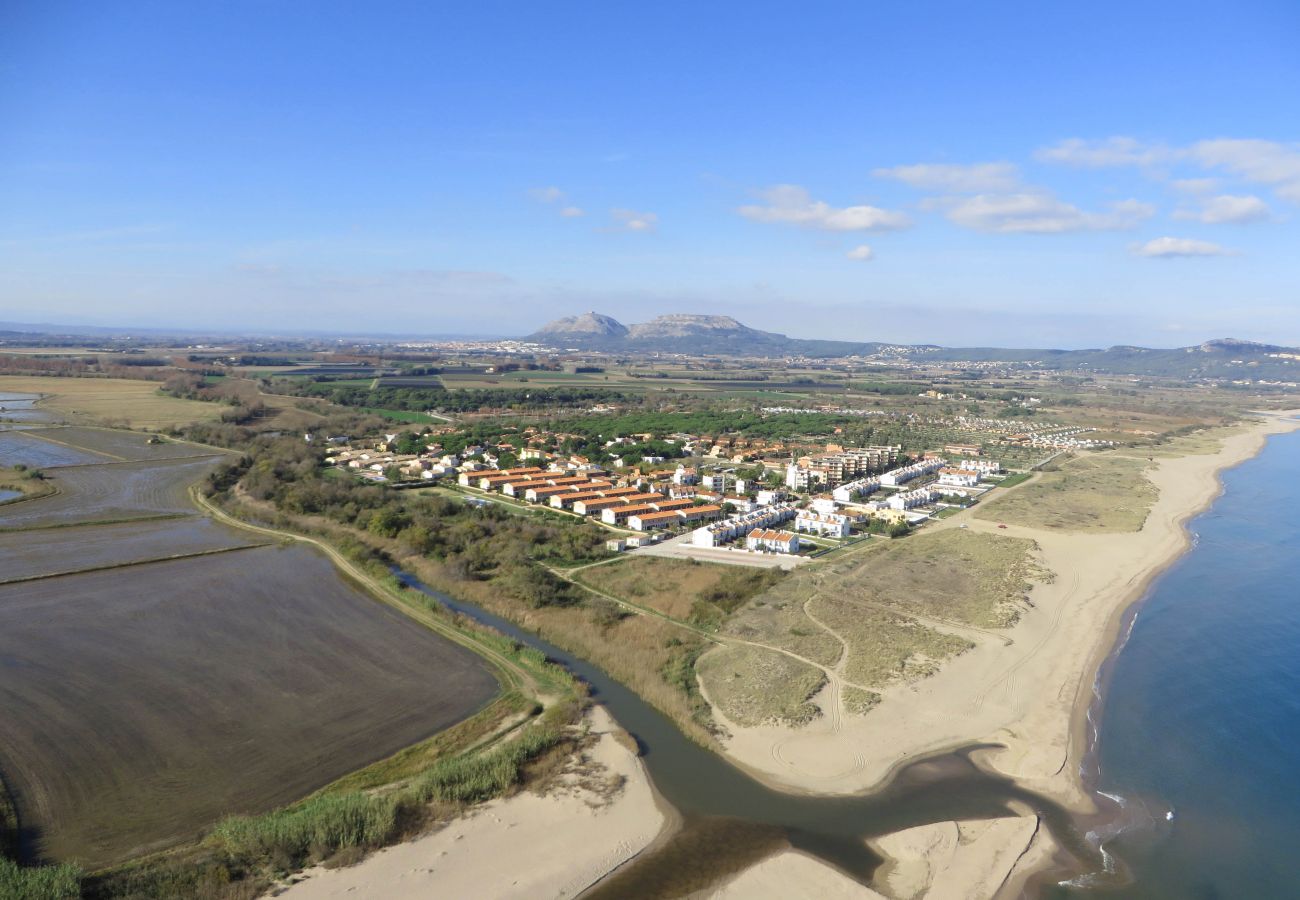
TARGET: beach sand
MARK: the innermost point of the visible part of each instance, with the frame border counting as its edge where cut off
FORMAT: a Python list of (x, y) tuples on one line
[(1031, 696), (528, 845)]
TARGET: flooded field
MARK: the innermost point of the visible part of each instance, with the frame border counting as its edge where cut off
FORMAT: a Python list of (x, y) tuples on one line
[(112, 492), (21, 408), (52, 551), (119, 445), (143, 703), (145, 696), (20, 448)]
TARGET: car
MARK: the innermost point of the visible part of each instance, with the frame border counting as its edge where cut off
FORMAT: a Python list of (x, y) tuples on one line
[(1000, 525)]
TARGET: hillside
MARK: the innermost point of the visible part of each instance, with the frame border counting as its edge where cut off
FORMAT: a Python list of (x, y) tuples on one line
[(1226, 358)]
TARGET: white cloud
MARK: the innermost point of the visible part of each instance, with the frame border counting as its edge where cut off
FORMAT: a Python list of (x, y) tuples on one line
[(862, 253), (1106, 152), (1194, 185), (1264, 162), (1167, 247), (631, 220), (1038, 212), (1227, 208), (571, 212), (546, 194), (957, 179), (790, 204)]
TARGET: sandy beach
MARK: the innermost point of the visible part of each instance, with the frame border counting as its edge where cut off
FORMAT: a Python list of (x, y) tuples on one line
[(1027, 690), (530, 845), (1031, 696)]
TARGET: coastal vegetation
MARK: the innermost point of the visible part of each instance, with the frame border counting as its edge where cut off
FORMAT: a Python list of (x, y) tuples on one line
[(754, 686), (1092, 493)]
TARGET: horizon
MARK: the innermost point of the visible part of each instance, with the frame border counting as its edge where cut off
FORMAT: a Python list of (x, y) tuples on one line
[(856, 172)]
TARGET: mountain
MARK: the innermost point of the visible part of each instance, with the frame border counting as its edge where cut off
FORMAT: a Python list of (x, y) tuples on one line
[(682, 333), (1226, 358), (586, 326)]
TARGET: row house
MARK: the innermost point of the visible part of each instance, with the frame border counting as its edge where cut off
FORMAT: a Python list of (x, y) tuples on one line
[(915, 470), (668, 518), (567, 501), (855, 490), (765, 540), (616, 515), (739, 526), (826, 525), (910, 499)]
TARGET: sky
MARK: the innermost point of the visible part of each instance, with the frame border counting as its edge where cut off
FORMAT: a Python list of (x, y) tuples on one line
[(999, 173)]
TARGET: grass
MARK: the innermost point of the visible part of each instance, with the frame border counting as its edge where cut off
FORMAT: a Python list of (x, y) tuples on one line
[(702, 593), (1013, 480), (885, 647), (955, 575), (1092, 493), (858, 701), (38, 882), (136, 404), (399, 415), (753, 686)]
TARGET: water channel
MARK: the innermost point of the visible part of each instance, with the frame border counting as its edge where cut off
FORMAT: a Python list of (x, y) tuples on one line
[(731, 821)]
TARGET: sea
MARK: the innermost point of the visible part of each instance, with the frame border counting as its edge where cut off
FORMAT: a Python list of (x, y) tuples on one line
[(1197, 757)]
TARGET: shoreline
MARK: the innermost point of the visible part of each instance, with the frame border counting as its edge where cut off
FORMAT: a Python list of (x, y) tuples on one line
[(1044, 734)]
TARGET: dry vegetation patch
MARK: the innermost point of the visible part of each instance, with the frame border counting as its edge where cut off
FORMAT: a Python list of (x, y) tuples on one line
[(886, 647), (1098, 492), (137, 404), (704, 593), (753, 686), (959, 575)]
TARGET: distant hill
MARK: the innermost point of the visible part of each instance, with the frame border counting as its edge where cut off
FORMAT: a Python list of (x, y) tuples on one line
[(1227, 358)]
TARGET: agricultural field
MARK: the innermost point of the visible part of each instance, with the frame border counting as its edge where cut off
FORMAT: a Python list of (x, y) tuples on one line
[(22, 448), (118, 446), (52, 551), (1092, 493), (110, 492), (143, 703), (136, 404)]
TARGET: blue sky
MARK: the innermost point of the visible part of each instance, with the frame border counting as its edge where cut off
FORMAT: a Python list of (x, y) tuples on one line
[(998, 173)]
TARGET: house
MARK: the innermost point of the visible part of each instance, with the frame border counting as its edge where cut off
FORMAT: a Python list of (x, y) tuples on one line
[(831, 525), (764, 540), (616, 546), (915, 470), (770, 497), (685, 475), (738, 526), (824, 505), (645, 521), (855, 490), (909, 499), (958, 477)]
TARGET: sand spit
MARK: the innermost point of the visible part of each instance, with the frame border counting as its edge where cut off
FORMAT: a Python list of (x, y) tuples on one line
[(528, 845), (944, 861)]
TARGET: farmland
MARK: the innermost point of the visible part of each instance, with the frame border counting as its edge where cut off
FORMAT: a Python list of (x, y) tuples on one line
[(138, 404), (160, 675), (136, 712)]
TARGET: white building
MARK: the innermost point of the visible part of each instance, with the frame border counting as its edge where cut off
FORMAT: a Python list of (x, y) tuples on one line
[(855, 490), (770, 497), (765, 540), (738, 526), (907, 473), (831, 525), (824, 505), (909, 499), (958, 477)]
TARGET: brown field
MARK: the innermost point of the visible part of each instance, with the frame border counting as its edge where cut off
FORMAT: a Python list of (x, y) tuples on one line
[(136, 404), (1097, 492), (143, 703), (672, 586)]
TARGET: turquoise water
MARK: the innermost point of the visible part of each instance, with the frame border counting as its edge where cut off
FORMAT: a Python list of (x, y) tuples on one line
[(1200, 726)]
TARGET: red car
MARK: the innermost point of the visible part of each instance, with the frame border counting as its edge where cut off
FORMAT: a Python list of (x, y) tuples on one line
[(1000, 525)]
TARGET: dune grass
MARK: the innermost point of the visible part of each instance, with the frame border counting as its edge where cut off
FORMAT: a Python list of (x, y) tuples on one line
[(753, 686), (1092, 493)]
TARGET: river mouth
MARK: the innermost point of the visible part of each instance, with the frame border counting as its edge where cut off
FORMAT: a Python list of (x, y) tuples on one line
[(730, 821)]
